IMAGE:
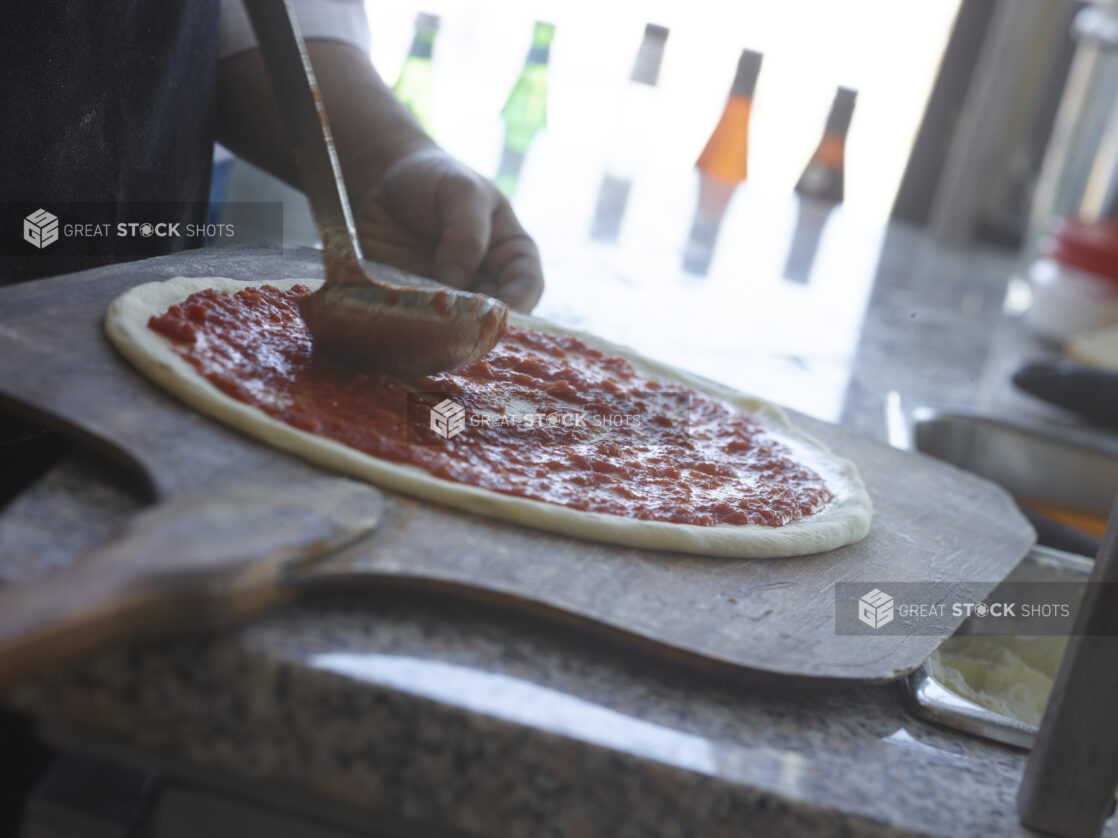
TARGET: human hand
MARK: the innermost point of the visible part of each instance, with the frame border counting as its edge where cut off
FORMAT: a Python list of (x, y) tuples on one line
[(417, 208), (432, 215)]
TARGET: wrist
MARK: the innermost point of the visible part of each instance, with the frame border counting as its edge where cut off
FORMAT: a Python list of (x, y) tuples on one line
[(364, 166), (371, 128)]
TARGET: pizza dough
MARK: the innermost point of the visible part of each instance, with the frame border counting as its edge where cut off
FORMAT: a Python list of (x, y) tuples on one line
[(843, 520)]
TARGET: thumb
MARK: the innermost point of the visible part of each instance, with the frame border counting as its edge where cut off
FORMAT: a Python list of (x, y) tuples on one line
[(465, 226)]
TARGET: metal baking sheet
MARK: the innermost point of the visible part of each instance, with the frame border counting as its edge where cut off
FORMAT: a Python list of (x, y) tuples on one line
[(1063, 467), (928, 698)]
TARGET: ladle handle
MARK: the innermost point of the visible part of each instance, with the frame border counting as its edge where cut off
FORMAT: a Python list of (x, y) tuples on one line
[(308, 132)]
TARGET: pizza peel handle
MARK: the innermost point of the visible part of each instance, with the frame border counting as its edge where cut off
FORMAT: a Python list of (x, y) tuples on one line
[(407, 331), (1069, 782), (197, 561)]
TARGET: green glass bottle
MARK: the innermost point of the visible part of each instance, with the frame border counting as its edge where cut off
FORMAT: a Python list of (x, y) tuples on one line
[(415, 87), (525, 111)]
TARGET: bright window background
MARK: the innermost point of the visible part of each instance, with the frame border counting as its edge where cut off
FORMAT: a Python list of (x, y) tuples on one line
[(887, 50), (743, 323)]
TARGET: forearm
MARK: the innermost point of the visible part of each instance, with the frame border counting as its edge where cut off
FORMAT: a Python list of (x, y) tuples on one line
[(371, 128), (415, 207)]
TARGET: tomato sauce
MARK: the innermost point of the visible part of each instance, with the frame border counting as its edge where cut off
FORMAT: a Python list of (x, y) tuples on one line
[(543, 417)]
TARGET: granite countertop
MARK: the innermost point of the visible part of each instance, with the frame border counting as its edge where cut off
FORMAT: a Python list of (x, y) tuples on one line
[(409, 714)]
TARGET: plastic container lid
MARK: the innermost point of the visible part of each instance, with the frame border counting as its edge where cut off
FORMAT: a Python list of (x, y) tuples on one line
[(1089, 247)]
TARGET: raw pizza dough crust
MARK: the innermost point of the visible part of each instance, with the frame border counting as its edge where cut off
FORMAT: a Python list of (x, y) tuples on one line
[(844, 520)]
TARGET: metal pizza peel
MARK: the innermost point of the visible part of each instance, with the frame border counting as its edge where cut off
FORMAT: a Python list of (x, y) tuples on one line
[(760, 620)]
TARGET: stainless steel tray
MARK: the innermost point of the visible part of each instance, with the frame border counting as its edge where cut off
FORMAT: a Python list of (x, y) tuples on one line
[(1060, 466), (1052, 465), (928, 698)]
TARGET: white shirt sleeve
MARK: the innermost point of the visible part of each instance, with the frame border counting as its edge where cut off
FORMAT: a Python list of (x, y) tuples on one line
[(335, 20)]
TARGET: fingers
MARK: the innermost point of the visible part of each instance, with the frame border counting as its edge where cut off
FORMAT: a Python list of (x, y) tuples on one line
[(513, 261), (478, 244), (465, 213)]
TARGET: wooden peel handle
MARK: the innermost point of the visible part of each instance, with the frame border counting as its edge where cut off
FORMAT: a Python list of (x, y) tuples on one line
[(62, 618), (197, 561), (1069, 782)]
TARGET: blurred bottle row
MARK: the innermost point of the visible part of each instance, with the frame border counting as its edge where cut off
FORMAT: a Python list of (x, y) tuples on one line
[(722, 164)]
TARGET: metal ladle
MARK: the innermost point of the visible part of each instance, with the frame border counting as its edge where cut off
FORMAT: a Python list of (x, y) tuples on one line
[(403, 330)]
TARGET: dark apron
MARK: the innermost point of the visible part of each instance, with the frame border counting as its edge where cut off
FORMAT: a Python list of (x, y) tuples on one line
[(106, 104)]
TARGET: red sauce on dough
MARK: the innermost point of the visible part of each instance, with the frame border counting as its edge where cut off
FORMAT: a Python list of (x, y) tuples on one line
[(646, 449)]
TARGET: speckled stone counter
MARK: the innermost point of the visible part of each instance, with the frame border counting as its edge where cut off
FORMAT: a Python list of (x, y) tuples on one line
[(430, 713), (408, 714)]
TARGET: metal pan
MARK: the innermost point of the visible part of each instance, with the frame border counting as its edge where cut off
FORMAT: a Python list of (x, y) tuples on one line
[(928, 698), (1062, 467), (1057, 466)]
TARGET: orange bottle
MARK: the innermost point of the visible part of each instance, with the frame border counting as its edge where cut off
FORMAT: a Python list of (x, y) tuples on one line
[(725, 156), (722, 165)]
